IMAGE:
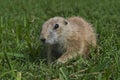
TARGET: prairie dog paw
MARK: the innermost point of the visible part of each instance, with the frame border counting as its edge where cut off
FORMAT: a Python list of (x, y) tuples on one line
[(61, 61)]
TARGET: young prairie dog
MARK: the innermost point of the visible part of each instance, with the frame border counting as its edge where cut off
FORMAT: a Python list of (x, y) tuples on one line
[(67, 38)]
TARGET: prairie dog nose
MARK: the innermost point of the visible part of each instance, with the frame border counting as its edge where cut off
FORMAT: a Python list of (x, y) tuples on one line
[(43, 40)]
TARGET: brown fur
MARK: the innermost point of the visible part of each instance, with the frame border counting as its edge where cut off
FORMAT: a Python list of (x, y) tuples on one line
[(74, 38)]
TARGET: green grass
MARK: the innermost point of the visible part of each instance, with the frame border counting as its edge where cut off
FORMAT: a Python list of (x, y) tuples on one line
[(21, 52)]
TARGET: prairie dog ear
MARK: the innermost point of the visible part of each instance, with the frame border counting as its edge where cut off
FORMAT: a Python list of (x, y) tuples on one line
[(65, 22)]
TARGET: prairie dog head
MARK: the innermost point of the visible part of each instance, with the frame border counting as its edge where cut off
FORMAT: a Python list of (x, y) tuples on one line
[(53, 30)]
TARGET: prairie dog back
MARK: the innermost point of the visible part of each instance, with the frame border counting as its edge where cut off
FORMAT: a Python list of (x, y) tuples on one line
[(86, 29)]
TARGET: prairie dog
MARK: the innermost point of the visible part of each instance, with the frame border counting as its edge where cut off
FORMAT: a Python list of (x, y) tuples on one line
[(67, 38)]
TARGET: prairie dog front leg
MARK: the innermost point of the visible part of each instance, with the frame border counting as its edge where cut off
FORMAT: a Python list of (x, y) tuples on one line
[(71, 53), (49, 55), (64, 58)]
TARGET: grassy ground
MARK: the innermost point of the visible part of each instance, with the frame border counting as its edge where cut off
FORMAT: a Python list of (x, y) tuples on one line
[(21, 52)]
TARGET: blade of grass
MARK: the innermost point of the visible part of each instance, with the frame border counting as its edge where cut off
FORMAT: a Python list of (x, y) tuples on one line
[(10, 66), (13, 54), (65, 77), (18, 75), (5, 73)]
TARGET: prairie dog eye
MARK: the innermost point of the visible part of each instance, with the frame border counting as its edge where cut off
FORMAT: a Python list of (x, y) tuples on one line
[(56, 26)]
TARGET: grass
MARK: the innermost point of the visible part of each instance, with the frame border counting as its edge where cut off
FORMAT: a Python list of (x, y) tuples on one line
[(22, 56)]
